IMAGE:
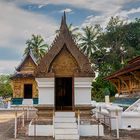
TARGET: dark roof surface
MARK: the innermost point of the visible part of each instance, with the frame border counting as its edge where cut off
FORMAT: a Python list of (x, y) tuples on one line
[(133, 64), (22, 75)]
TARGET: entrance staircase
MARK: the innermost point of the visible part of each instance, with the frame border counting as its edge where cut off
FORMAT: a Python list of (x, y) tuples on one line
[(65, 126)]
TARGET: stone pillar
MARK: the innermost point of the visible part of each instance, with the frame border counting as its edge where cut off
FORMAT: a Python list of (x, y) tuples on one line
[(113, 112)]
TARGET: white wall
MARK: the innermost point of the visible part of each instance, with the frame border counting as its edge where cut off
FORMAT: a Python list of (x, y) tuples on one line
[(130, 120), (40, 130), (82, 90), (91, 130), (47, 130), (46, 90)]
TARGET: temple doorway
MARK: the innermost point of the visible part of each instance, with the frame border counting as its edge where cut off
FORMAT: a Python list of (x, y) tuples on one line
[(27, 91), (63, 93)]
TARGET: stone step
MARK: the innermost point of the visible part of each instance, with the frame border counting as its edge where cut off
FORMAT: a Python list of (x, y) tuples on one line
[(27, 102), (65, 125), (65, 114), (66, 131), (67, 137), (68, 119)]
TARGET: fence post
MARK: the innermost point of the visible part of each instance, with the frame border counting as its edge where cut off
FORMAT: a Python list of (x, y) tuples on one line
[(78, 120), (117, 127), (98, 127), (117, 124), (15, 124), (23, 121), (53, 123), (34, 128), (27, 112)]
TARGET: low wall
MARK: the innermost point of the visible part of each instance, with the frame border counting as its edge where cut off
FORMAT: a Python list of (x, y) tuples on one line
[(47, 130), (131, 120), (40, 130), (91, 130)]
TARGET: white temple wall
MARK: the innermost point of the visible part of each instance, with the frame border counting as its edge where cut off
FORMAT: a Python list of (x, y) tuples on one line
[(82, 90), (46, 90)]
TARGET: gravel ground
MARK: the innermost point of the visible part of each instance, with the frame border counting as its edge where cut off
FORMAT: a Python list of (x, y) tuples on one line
[(7, 131)]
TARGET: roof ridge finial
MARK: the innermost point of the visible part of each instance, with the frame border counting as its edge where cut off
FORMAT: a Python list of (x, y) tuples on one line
[(64, 17), (63, 21)]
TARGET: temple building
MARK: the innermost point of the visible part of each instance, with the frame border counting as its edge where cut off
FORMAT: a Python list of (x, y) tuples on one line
[(60, 89), (24, 86), (61, 80), (127, 79)]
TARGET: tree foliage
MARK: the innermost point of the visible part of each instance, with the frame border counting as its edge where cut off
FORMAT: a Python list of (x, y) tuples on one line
[(37, 46), (88, 38), (109, 50), (5, 86)]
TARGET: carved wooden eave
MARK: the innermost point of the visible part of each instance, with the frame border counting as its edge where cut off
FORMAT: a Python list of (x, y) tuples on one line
[(133, 65), (125, 83), (64, 39), (136, 76)]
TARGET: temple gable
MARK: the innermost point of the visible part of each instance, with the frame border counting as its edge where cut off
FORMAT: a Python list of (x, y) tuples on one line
[(28, 66), (64, 63)]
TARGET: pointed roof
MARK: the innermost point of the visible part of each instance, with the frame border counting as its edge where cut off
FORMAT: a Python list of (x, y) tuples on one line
[(27, 56), (64, 38)]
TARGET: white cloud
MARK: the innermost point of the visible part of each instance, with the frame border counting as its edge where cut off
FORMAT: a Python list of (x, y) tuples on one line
[(125, 14), (42, 5), (67, 10), (104, 18), (9, 68), (17, 25), (106, 6)]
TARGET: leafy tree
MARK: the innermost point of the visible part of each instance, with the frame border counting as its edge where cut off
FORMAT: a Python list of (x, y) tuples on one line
[(5, 87), (37, 46), (118, 43)]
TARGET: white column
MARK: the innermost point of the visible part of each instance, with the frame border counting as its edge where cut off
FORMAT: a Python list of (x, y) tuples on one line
[(82, 90), (46, 90), (113, 112)]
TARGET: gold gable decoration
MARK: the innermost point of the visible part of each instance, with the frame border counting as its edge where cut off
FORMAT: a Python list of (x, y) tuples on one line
[(28, 66), (64, 64)]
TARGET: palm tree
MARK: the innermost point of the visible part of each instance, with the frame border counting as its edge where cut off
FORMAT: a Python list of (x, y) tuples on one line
[(37, 46), (88, 38)]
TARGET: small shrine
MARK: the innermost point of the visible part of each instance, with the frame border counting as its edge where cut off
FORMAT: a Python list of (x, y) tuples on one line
[(23, 82)]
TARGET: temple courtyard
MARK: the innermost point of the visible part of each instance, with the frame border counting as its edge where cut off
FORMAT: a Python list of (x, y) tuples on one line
[(7, 131)]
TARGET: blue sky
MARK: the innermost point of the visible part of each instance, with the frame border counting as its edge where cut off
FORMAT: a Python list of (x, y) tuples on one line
[(19, 19)]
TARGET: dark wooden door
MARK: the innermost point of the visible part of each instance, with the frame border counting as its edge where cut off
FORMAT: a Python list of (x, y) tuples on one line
[(63, 93)]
